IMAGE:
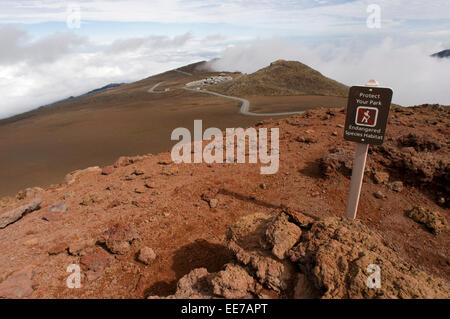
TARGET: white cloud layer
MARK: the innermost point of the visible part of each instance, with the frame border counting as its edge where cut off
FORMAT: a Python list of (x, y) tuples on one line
[(415, 77), (34, 73), (40, 66), (300, 15)]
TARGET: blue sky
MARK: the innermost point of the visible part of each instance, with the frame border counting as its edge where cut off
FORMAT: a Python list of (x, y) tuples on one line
[(45, 58)]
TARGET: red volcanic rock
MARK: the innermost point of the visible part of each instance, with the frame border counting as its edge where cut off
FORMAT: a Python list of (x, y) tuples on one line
[(58, 249), (234, 283), (119, 237), (107, 170), (146, 255), (126, 160), (329, 259), (95, 264), (15, 214), (282, 235), (340, 161), (19, 284), (58, 208)]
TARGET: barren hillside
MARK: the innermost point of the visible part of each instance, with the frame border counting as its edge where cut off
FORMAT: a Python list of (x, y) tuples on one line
[(43, 144), (283, 78), (147, 227)]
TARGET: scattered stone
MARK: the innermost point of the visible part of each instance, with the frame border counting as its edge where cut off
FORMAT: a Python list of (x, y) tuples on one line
[(262, 186), (29, 192), (138, 172), (91, 199), (58, 249), (111, 187), (397, 186), (113, 204), (19, 284), (95, 264), (17, 213), (139, 202), (213, 202), (107, 170), (441, 200), (69, 195), (119, 237), (433, 220), (210, 193), (334, 133), (139, 190), (340, 126), (306, 140), (381, 177), (150, 185), (58, 208), (146, 255), (123, 161), (282, 235), (378, 195), (130, 177), (76, 248)]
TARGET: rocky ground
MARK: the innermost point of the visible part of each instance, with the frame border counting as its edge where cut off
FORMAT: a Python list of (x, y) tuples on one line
[(146, 227)]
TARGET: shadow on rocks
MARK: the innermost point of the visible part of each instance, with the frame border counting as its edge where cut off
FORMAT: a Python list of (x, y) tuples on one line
[(199, 254)]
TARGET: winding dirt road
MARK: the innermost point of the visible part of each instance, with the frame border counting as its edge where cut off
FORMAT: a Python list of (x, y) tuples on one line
[(245, 106)]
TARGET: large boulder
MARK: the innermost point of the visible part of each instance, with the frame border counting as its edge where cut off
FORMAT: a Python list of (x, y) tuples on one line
[(282, 235), (339, 255), (247, 240), (234, 283)]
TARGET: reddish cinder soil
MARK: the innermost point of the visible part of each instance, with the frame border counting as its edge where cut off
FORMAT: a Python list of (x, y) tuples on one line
[(41, 146), (171, 214)]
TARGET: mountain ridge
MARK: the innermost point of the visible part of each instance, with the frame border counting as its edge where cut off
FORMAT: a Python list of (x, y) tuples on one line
[(442, 54), (283, 78)]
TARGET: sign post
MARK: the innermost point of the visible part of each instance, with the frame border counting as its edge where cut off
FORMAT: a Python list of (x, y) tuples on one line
[(367, 113)]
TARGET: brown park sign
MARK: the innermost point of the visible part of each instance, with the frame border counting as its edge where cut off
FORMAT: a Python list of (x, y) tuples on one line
[(367, 114)]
